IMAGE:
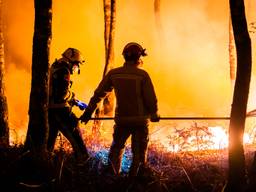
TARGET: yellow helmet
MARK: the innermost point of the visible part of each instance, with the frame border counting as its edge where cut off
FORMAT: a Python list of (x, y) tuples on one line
[(73, 56)]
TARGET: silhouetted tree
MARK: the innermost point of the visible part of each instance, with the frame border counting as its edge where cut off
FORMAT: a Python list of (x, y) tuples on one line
[(109, 33), (236, 174), (4, 126), (107, 107), (38, 106), (232, 51), (110, 21)]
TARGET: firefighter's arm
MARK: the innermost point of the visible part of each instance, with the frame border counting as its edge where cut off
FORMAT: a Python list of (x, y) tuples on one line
[(66, 83), (62, 84), (86, 116), (73, 101), (150, 99), (101, 91)]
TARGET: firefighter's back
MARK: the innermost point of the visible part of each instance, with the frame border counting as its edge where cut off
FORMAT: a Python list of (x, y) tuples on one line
[(127, 83)]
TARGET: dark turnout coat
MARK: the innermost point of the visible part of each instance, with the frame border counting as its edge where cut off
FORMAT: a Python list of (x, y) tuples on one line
[(60, 94), (135, 96)]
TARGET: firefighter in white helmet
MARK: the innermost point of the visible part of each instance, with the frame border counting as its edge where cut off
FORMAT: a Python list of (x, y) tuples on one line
[(136, 106), (61, 101)]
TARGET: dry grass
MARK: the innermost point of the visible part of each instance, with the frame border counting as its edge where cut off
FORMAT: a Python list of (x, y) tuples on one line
[(167, 172), (199, 171)]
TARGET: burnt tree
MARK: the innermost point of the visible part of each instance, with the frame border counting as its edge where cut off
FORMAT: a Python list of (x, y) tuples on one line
[(109, 34), (38, 105), (107, 106), (236, 174), (4, 126)]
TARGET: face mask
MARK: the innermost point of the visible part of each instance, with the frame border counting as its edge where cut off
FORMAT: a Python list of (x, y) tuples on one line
[(76, 69)]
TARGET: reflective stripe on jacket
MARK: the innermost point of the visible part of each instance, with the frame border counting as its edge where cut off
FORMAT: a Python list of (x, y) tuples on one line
[(135, 96)]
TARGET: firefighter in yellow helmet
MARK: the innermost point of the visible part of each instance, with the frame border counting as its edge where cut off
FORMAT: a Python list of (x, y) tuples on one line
[(61, 101), (136, 105)]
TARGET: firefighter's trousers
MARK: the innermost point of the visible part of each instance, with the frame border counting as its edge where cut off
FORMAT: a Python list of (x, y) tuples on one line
[(63, 120), (139, 143)]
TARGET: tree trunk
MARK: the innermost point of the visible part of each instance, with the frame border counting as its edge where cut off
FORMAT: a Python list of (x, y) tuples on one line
[(108, 103), (107, 106), (109, 33), (236, 174), (4, 126), (232, 57), (38, 107)]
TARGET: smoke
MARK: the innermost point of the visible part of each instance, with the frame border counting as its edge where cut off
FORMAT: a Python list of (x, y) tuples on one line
[(18, 31), (194, 62), (190, 70)]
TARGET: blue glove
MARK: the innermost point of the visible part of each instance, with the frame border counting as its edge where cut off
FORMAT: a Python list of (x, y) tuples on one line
[(80, 104)]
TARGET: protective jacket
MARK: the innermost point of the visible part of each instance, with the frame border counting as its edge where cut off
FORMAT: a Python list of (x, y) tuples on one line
[(60, 83), (135, 96)]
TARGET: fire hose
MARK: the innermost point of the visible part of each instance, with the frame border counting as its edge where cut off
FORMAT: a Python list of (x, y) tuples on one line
[(83, 105), (171, 118), (177, 118)]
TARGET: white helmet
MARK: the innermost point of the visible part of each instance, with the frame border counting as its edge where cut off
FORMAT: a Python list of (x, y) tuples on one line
[(73, 56)]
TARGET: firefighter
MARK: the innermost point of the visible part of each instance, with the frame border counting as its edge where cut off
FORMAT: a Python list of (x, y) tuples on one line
[(61, 101), (136, 106)]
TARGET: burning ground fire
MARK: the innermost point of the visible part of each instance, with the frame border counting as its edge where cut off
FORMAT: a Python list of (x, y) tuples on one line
[(195, 137), (198, 137)]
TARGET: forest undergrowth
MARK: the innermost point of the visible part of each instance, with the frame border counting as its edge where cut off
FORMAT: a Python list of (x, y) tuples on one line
[(198, 171)]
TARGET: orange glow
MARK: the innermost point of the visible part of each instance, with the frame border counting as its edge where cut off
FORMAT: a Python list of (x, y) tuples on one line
[(190, 69), (216, 139)]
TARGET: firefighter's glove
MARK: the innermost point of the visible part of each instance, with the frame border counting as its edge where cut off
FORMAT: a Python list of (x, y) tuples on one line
[(155, 117), (82, 106), (86, 116)]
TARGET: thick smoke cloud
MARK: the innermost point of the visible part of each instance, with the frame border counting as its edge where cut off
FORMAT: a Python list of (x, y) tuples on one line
[(189, 68)]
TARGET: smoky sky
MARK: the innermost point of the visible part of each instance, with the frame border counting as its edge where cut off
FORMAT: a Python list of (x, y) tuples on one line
[(188, 61)]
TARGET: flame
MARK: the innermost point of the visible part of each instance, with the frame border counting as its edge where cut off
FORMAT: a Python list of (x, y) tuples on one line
[(17, 136), (217, 138)]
